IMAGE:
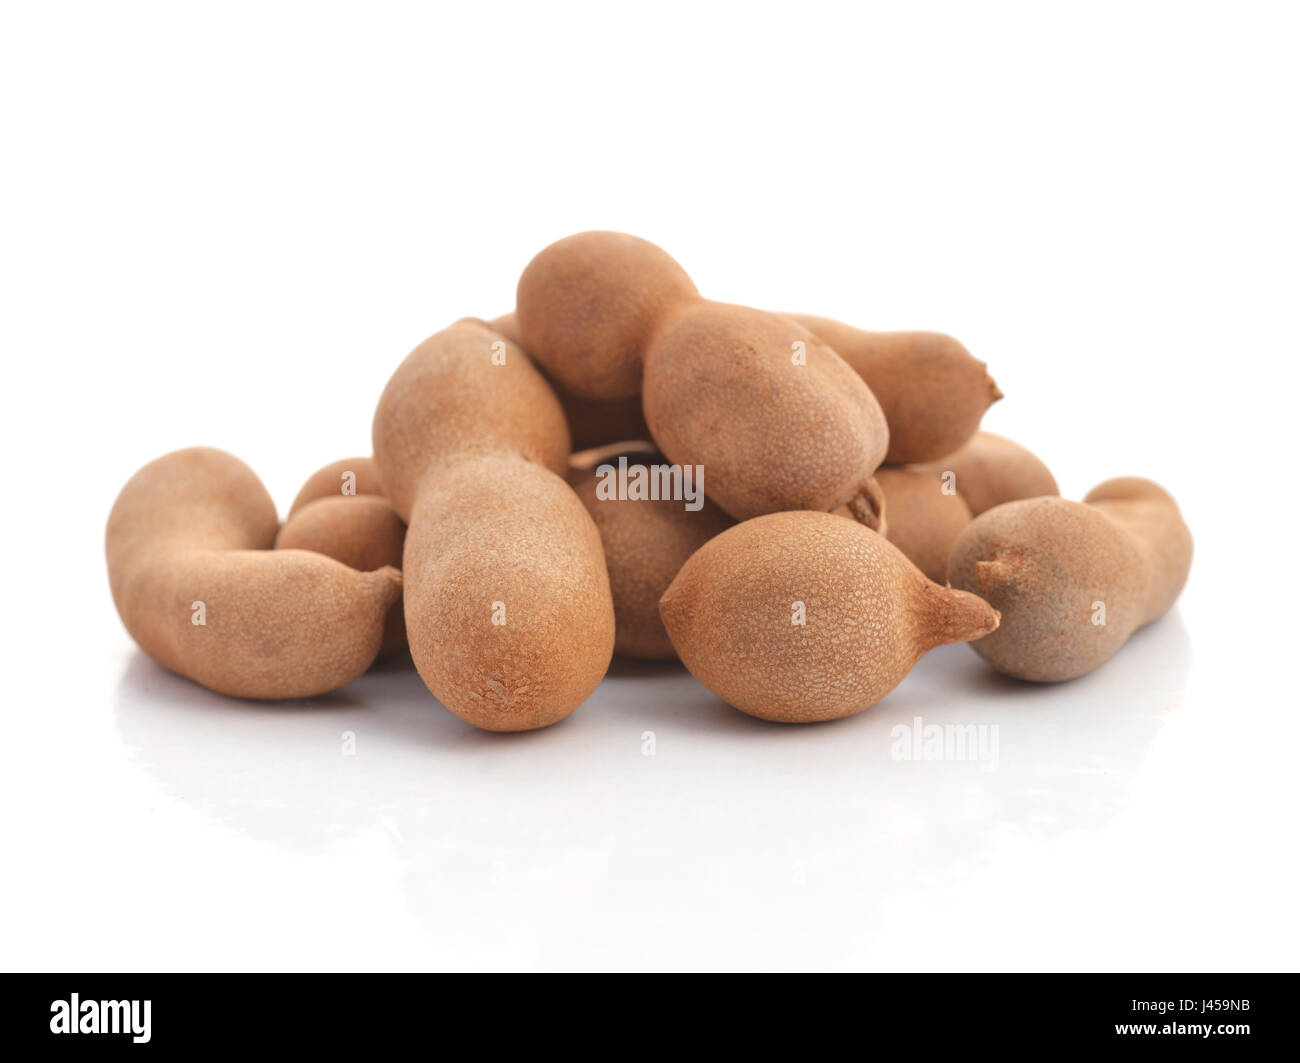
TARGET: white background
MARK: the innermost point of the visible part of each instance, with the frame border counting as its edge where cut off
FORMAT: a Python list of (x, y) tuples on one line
[(226, 224)]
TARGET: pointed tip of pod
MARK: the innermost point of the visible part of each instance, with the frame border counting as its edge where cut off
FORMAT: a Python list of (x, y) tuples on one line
[(999, 572), (970, 617), (995, 392), (958, 616), (385, 584), (993, 622)]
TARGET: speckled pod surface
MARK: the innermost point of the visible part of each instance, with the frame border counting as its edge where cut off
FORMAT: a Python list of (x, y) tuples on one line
[(592, 422), (932, 391), (508, 609), (342, 479), (201, 591), (776, 418), (924, 520), (1073, 580), (362, 531), (646, 542), (802, 617), (588, 305), (991, 469), (720, 391)]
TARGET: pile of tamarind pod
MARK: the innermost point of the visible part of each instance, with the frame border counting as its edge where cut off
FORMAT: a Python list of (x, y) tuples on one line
[(796, 509)]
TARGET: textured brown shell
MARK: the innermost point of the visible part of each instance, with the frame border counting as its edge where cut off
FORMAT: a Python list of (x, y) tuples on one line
[(608, 315), (1047, 564), (870, 615), (1150, 515), (496, 537), (329, 481), (592, 422), (449, 398), (990, 470), (931, 389), (363, 532), (646, 542), (473, 452), (197, 525), (924, 521), (588, 304), (723, 390)]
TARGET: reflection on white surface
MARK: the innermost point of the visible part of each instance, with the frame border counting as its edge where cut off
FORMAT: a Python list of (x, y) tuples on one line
[(571, 846)]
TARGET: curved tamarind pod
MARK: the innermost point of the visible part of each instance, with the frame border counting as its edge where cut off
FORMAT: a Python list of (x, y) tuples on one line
[(362, 531), (1073, 580), (932, 390), (201, 591), (775, 417), (508, 609)]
